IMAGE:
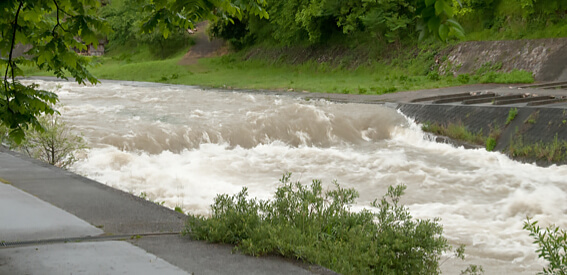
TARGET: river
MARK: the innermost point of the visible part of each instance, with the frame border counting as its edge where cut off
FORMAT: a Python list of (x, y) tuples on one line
[(184, 145)]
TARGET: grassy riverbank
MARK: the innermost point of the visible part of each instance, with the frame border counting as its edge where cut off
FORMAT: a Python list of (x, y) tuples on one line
[(235, 71)]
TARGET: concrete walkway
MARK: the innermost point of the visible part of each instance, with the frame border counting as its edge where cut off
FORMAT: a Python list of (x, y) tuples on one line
[(56, 222)]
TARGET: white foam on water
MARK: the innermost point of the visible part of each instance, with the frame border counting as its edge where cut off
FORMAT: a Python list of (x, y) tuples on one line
[(183, 146)]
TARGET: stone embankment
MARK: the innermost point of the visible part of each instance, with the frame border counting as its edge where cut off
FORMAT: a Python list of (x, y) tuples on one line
[(545, 58)]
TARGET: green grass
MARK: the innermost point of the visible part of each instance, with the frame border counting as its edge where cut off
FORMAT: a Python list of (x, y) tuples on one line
[(232, 71), (456, 131), (552, 152), (520, 30), (515, 76)]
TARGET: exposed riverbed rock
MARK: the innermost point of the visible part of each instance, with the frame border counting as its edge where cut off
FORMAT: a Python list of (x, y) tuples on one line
[(545, 58)]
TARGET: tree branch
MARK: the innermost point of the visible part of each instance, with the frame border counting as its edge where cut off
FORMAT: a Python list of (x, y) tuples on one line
[(10, 62), (58, 22)]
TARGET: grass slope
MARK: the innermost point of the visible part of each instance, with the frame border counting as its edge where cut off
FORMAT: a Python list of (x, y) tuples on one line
[(234, 71)]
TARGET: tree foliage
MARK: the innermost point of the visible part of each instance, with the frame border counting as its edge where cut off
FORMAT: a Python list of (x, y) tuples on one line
[(166, 15), (126, 22), (496, 14), (49, 31), (56, 144), (316, 21)]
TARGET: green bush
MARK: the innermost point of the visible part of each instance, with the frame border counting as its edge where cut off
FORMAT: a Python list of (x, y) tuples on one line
[(56, 144), (552, 243), (318, 227), (464, 78)]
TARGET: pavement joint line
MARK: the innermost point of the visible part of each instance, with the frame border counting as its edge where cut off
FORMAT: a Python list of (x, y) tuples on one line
[(123, 237)]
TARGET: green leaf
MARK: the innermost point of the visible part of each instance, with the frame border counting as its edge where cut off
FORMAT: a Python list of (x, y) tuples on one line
[(165, 32), (429, 2), (439, 7), (433, 24), (428, 13), (70, 59), (17, 135), (444, 32), (448, 9), (456, 29)]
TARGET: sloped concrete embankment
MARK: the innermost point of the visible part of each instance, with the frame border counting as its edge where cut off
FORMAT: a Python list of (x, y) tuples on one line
[(533, 125), (545, 58)]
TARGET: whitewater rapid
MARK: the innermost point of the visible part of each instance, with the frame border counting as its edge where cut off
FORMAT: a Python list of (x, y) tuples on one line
[(183, 145)]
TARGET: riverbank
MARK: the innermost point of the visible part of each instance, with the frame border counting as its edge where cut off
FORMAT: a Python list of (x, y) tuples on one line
[(313, 70)]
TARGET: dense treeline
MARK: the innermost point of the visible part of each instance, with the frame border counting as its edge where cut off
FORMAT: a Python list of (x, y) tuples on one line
[(310, 22), (515, 18), (163, 25), (320, 21), (127, 21)]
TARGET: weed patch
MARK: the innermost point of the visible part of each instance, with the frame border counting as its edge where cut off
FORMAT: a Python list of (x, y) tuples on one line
[(455, 131), (511, 115), (554, 151), (490, 144), (318, 227), (532, 118)]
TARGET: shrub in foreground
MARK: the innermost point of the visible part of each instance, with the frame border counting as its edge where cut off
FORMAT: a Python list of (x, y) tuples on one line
[(318, 227), (552, 246)]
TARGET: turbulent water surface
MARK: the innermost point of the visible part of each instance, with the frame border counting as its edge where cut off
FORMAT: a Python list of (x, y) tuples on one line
[(183, 145)]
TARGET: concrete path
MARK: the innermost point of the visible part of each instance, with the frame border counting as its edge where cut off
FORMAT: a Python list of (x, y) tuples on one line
[(56, 222)]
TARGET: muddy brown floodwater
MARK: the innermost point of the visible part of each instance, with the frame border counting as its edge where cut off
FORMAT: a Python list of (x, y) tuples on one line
[(184, 145)]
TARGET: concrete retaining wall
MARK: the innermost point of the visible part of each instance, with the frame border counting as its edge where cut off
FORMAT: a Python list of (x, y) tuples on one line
[(531, 124)]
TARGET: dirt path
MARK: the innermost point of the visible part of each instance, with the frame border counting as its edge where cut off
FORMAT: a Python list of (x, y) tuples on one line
[(204, 47)]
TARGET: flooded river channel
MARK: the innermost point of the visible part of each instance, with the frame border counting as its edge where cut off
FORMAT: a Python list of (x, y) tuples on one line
[(184, 145)]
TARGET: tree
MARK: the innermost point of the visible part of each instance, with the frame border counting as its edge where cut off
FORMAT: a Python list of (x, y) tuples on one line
[(56, 145), (51, 31), (316, 21)]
